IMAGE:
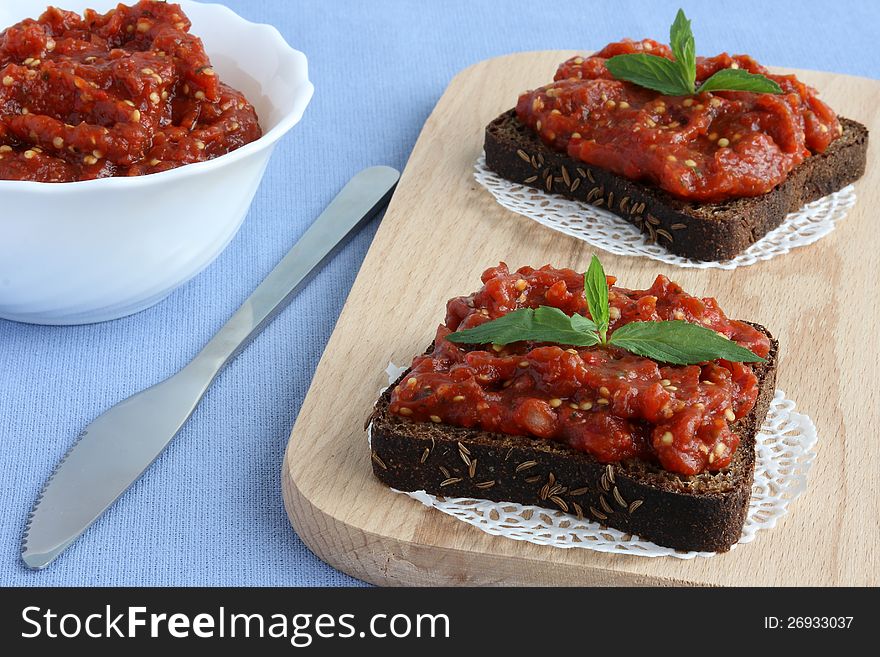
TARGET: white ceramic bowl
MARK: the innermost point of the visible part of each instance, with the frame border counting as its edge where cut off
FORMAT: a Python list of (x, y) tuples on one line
[(74, 253)]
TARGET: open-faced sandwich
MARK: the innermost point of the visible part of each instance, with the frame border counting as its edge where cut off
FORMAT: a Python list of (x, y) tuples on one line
[(705, 155), (638, 409)]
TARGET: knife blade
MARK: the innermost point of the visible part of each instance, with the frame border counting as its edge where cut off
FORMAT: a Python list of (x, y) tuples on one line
[(114, 450)]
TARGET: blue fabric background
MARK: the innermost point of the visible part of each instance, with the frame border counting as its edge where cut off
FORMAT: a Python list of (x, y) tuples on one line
[(209, 512)]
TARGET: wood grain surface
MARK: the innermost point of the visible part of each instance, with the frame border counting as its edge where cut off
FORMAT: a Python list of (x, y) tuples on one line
[(442, 230)]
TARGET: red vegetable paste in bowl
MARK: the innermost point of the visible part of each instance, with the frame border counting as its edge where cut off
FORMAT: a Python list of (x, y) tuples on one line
[(126, 93)]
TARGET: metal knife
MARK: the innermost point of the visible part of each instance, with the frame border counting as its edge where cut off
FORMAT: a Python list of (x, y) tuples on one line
[(116, 448)]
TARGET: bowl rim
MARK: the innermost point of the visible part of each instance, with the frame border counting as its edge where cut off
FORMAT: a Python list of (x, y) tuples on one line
[(291, 117)]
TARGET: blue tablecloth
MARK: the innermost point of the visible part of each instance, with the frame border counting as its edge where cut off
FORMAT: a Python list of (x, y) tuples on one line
[(209, 512)]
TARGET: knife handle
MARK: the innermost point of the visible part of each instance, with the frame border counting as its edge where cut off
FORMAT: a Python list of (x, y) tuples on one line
[(358, 202)]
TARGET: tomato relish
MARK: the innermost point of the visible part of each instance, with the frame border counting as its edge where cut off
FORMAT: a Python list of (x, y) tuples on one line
[(601, 400), (126, 93), (709, 147)]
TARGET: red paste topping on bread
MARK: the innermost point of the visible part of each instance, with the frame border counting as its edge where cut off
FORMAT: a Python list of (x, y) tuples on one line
[(604, 401), (708, 147)]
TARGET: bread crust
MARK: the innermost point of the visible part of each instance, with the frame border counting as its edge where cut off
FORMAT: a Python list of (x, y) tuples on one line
[(704, 513), (702, 231)]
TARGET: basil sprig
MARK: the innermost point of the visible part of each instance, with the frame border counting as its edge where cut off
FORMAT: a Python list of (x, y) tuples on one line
[(675, 342), (678, 77)]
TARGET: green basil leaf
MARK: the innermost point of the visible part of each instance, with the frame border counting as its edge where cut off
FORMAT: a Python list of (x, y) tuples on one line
[(553, 325), (650, 71), (507, 328), (679, 343), (585, 324), (736, 79), (596, 292), (681, 42), (544, 324)]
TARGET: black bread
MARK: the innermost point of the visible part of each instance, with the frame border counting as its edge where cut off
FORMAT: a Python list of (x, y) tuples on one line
[(703, 231), (705, 512)]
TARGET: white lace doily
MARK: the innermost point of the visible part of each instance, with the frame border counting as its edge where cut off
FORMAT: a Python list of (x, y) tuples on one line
[(784, 450), (611, 233)]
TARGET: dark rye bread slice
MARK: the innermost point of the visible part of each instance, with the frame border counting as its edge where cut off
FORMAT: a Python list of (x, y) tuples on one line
[(705, 512), (703, 231)]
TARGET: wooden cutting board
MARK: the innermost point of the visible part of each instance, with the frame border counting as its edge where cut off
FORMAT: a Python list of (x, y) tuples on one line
[(442, 230)]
